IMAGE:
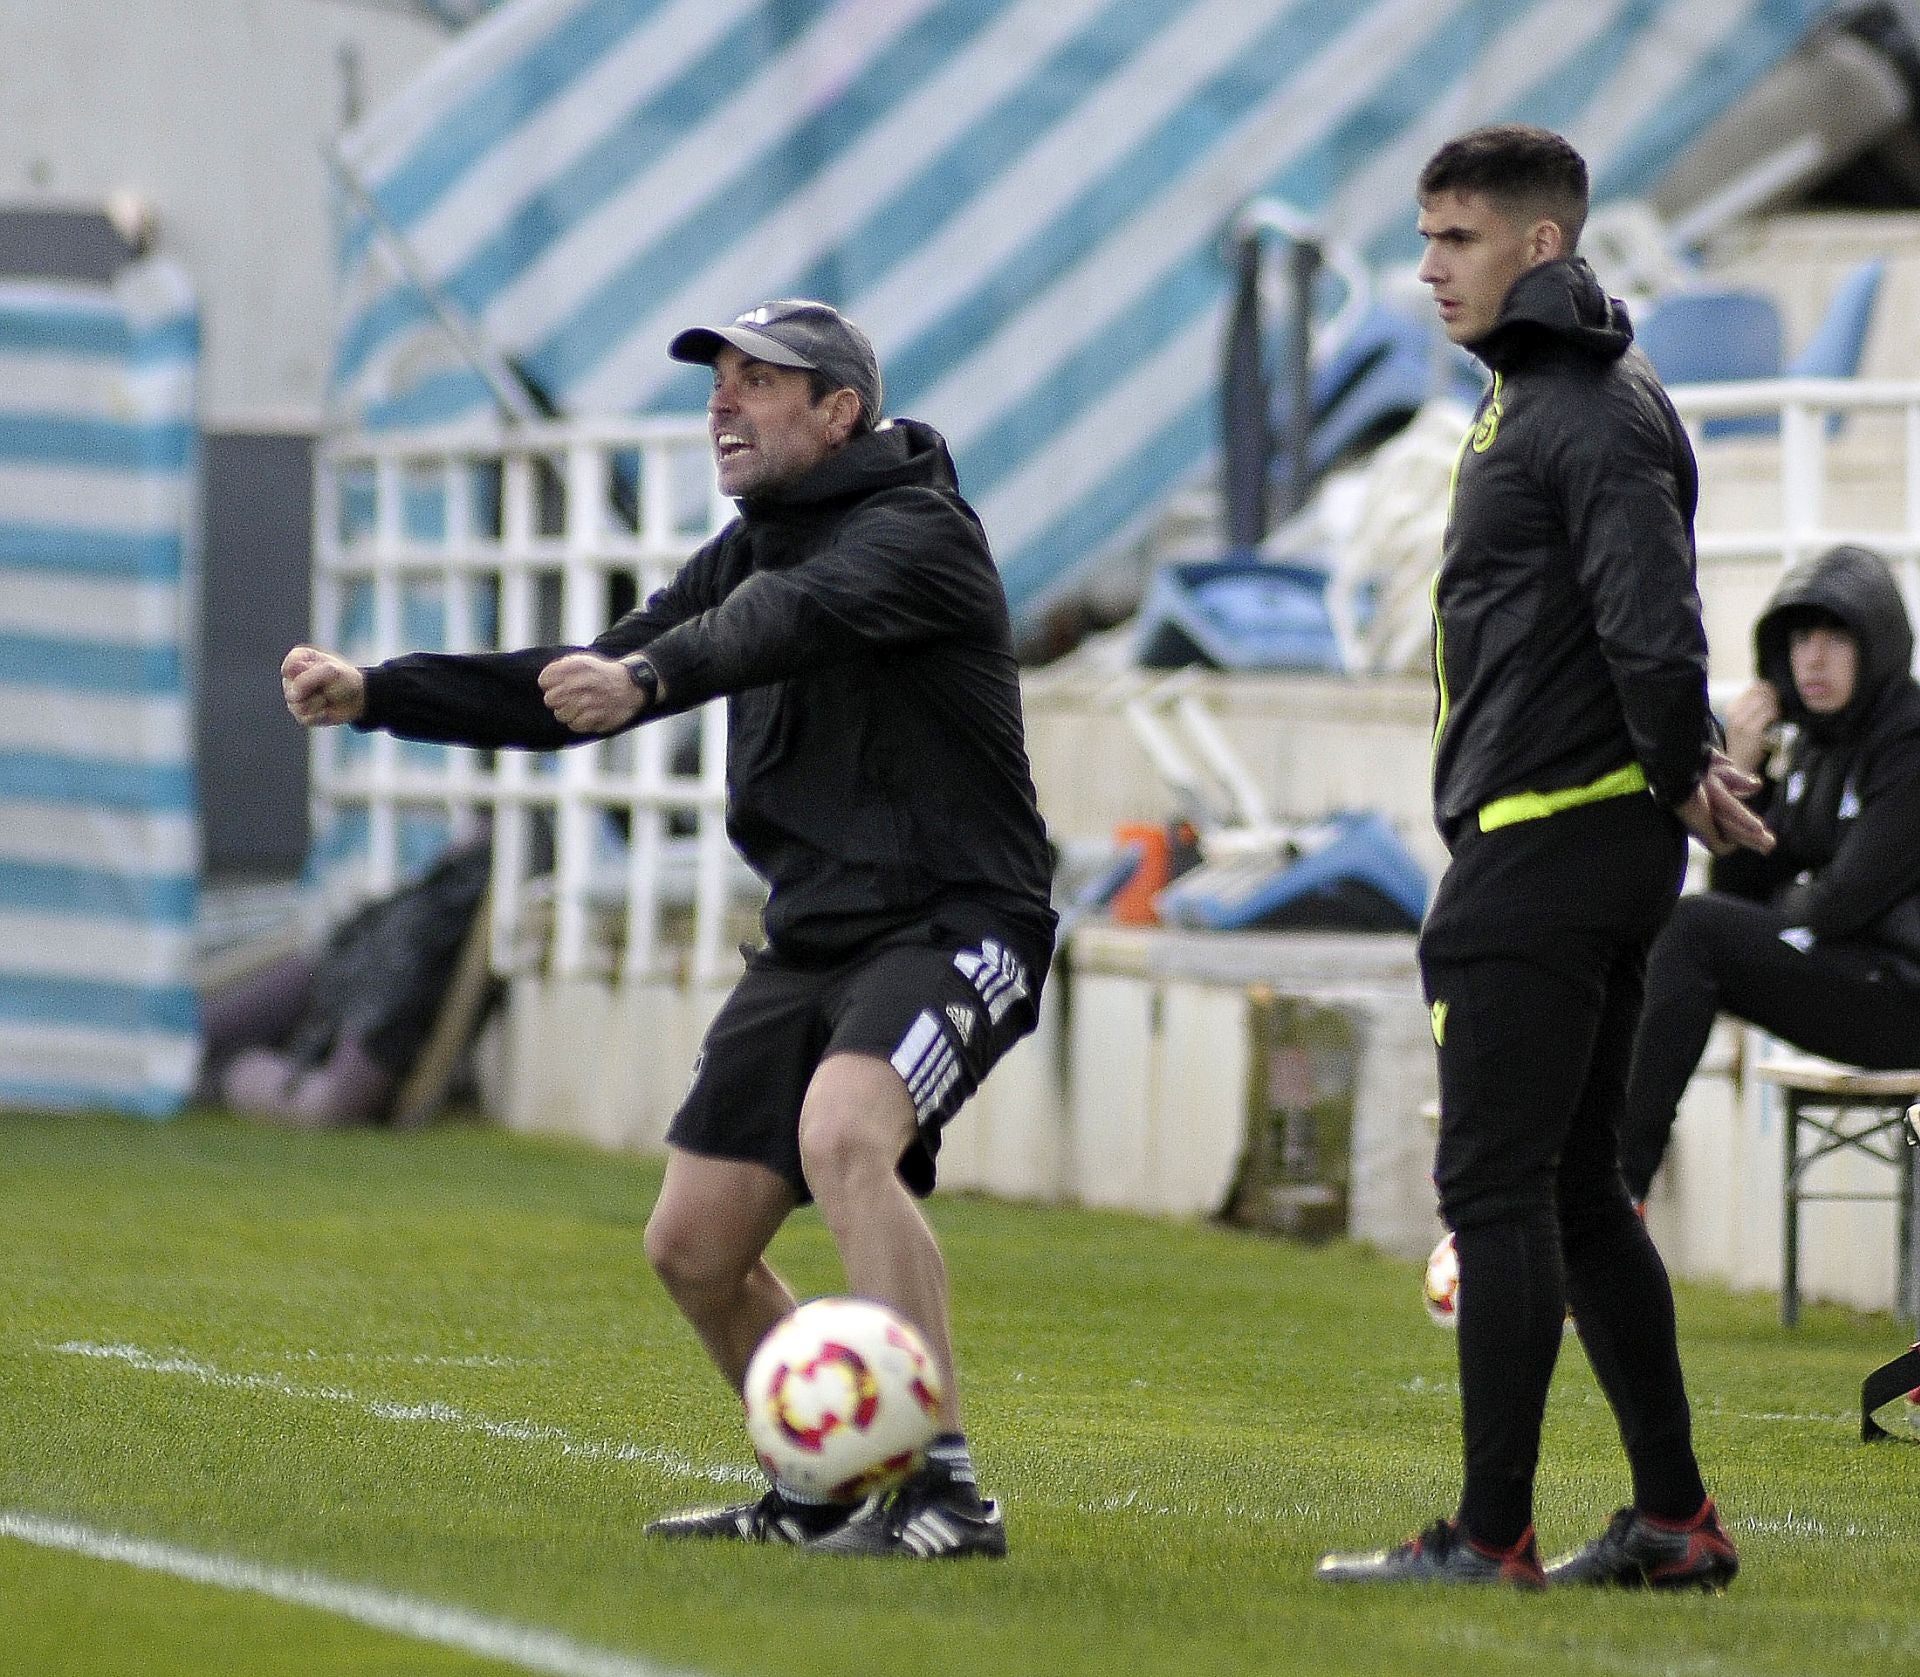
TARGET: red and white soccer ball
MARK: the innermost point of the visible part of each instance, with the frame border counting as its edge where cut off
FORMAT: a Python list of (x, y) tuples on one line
[(1440, 1286), (843, 1398)]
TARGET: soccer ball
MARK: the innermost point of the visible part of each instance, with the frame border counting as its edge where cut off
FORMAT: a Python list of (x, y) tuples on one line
[(843, 1398), (1440, 1286)]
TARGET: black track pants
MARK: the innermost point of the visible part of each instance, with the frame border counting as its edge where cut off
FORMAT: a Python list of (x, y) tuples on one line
[(1533, 957), (1724, 955)]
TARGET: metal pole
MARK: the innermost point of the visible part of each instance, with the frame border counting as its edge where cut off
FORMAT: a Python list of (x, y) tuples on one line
[(1790, 1214), (1245, 404), (508, 386), (1303, 269)]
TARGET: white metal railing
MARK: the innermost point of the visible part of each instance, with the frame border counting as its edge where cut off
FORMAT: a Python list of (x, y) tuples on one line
[(1836, 460), (503, 537), (513, 536)]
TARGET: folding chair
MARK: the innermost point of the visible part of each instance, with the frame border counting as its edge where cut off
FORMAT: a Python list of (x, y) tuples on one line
[(1837, 1109)]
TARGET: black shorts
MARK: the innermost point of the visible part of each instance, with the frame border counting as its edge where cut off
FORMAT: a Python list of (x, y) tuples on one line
[(939, 1011)]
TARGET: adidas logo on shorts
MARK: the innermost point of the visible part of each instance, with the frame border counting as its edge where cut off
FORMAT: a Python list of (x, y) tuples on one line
[(997, 973), (928, 1058)]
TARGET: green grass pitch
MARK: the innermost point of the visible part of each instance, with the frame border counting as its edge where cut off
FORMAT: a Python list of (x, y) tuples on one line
[(432, 1370)]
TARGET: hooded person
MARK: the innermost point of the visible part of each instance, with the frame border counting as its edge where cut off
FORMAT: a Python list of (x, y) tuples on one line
[(1817, 943)]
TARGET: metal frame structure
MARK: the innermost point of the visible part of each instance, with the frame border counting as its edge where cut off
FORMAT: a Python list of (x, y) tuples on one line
[(1811, 414)]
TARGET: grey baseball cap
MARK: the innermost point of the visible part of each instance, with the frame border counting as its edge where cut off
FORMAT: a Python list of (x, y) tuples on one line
[(795, 332)]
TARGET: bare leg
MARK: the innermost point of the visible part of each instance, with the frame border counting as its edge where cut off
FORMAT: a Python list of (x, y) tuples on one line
[(855, 1123), (705, 1240)]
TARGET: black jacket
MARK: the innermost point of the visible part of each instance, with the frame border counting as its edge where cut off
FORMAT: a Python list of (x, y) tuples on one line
[(876, 758), (1845, 801), (1568, 643)]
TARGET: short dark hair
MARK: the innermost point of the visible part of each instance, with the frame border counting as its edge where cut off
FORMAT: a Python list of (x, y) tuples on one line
[(1527, 172), (820, 386)]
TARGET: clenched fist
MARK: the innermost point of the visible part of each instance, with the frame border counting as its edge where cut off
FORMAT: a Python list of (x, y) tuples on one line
[(322, 688), (591, 694)]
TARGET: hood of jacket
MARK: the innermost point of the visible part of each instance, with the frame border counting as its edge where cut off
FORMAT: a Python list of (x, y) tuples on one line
[(1561, 303), (899, 454), (1857, 586)]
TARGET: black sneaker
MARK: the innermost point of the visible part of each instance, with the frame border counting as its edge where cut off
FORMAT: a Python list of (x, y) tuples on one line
[(773, 1519), (1442, 1554), (929, 1518), (1638, 1552)]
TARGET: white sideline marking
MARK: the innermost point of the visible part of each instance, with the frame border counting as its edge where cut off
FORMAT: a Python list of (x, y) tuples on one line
[(385, 1409), (1840, 1419), (482, 1359), (1795, 1524), (425, 1621)]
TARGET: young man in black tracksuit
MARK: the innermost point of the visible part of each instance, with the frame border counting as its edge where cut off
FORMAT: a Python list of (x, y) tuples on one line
[(1571, 756), (1818, 942), (877, 779)]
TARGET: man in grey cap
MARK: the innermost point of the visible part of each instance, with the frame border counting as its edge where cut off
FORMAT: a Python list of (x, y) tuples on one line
[(877, 780), (806, 336)]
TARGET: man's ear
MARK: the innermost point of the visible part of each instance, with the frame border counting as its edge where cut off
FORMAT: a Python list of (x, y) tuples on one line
[(843, 415), (1546, 241)]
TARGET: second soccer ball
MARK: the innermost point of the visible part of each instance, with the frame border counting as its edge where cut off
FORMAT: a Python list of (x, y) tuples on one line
[(1440, 1286)]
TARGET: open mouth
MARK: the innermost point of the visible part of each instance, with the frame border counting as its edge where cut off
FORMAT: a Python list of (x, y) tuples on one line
[(729, 444)]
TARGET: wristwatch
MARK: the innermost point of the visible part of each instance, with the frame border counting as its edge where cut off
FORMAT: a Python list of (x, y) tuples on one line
[(644, 676)]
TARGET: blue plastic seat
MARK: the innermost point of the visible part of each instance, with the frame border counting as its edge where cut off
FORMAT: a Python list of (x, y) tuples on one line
[(1834, 349), (1365, 387), (1240, 612), (1382, 380), (1351, 872), (1712, 337)]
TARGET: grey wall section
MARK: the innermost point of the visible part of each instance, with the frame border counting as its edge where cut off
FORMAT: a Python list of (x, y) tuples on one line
[(61, 244), (212, 114), (258, 491)]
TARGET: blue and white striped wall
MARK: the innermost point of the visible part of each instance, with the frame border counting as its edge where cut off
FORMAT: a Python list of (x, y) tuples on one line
[(1022, 200), (99, 847)]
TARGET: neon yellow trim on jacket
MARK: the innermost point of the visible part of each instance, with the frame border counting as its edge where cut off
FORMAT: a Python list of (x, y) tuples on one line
[(1487, 426), (1433, 595), (1535, 806)]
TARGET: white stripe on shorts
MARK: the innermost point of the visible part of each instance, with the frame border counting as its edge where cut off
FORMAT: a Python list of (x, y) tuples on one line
[(921, 1035), (947, 1080), (926, 1063)]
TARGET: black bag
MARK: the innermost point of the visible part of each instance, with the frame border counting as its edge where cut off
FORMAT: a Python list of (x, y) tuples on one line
[(385, 971)]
